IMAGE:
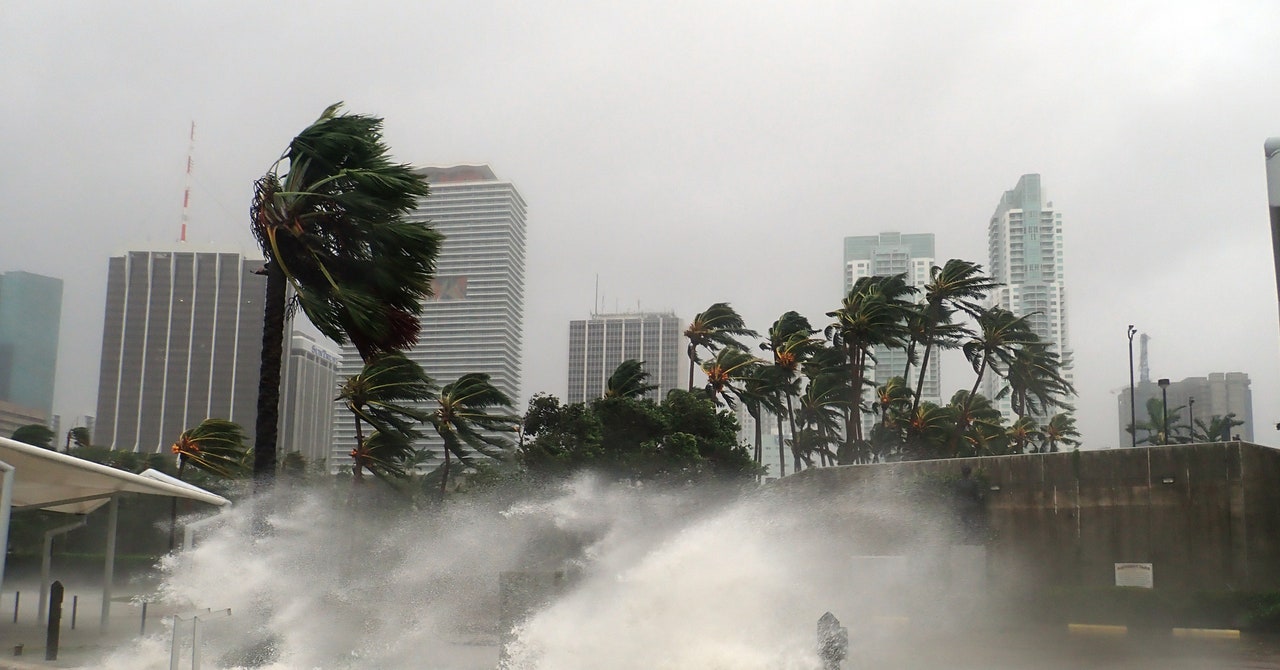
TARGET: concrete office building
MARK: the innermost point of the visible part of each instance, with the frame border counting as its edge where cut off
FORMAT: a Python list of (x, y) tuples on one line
[(30, 315), (1024, 238), (474, 323), (1192, 399), (309, 383), (599, 344), (181, 342), (889, 254)]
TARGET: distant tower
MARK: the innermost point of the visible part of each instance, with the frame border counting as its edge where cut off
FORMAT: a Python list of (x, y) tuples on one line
[(30, 314), (309, 384), (598, 345), (475, 321), (891, 254), (1144, 369), (1024, 239), (181, 342)]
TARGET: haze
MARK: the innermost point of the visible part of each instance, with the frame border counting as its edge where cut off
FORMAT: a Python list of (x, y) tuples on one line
[(688, 153)]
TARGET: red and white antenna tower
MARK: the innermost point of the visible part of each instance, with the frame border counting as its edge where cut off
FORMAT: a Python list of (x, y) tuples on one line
[(186, 194)]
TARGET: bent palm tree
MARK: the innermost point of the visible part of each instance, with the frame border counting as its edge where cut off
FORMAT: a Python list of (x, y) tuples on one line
[(790, 340), (718, 326), (629, 380), (332, 228), (1218, 429), (1061, 429), (1034, 380), (385, 394), (464, 417), (215, 446), (1001, 334), (726, 374), (956, 286)]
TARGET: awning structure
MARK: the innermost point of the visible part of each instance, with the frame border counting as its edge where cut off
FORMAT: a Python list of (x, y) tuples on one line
[(38, 478)]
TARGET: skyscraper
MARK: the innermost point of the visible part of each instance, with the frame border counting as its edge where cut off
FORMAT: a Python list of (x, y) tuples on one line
[(598, 345), (181, 342), (1192, 401), (885, 255), (30, 314), (1024, 240), (475, 320), (309, 383)]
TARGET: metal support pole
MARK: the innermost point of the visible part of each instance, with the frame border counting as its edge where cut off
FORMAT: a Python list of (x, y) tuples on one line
[(54, 631), (6, 506), (75, 607), (46, 563), (142, 630), (174, 646), (1271, 149), (109, 564), (17, 598), (1133, 402), (1164, 402), (195, 643)]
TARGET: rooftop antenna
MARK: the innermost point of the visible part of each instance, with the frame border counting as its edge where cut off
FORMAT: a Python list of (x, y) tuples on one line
[(186, 193), (1143, 369), (595, 305)]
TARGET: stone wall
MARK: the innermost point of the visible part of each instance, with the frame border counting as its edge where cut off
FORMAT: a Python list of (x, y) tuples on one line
[(1207, 516)]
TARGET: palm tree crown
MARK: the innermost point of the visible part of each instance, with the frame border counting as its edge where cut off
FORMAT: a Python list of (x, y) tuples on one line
[(629, 380), (718, 326)]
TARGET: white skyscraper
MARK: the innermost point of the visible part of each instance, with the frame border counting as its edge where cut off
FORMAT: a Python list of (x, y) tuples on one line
[(884, 255), (475, 320), (597, 346), (1025, 244), (309, 384)]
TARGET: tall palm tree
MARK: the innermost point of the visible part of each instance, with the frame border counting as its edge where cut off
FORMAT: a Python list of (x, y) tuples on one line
[(332, 228), (727, 373), (629, 380), (1024, 432), (1034, 381), (1001, 334), (927, 430), (872, 314), (820, 408), (790, 340), (957, 286), (215, 446), (979, 426), (893, 401), (386, 394), (79, 436), (466, 422), (718, 326), (1061, 429), (758, 392)]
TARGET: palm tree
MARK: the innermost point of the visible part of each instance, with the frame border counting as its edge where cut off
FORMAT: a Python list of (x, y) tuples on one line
[(1001, 334), (1218, 429), (332, 228), (872, 314), (1061, 429), (893, 401), (463, 420), (386, 394), (629, 380), (1025, 431), (927, 430), (956, 286), (1155, 423), (215, 446), (979, 426), (726, 374), (758, 392), (822, 405), (35, 434), (1034, 381), (718, 326), (790, 341)]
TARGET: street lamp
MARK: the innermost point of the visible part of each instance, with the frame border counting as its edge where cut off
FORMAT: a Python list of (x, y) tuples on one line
[(1191, 416), (1164, 406), (1133, 405)]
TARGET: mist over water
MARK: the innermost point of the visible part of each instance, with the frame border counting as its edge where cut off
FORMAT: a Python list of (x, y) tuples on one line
[(651, 578)]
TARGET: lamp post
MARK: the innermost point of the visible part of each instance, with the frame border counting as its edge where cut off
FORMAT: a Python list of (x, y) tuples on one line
[(1133, 404), (1191, 416), (1164, 407)]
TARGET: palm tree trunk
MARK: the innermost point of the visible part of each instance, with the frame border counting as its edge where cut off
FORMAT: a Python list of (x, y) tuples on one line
[(791, 419), (759, 438), (444, 473), (264, 442), (782, 452), (357, 472), (173, 509), (692, 360), (924, 365)]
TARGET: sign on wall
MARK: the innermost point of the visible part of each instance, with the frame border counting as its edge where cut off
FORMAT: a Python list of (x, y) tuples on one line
[(1137, 575)]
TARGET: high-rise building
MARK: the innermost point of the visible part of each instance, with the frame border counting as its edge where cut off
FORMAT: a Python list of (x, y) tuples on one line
[(30, 314), (885, 255), (475, 320), (599, 344), (181, 342), (1024, 241), (308, 385), (1192, 401)]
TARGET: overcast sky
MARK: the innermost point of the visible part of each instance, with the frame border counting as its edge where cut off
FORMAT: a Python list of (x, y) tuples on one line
[(688, 153)]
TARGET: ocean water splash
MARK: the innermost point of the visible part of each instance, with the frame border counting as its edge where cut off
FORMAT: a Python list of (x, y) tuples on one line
[(656, 579)]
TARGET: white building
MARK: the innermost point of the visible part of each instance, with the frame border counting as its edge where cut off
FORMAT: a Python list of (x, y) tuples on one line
[(309, 383), (598, 345), (885, 255), (1025, 245), (475, 320)]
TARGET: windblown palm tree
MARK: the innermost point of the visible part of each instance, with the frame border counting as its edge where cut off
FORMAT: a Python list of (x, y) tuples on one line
[(872, 314), (821, 407), (1001, 334), (465, 421), (1155, 423), (893, 401), (718, 326), (727, 373), (1034, 380), (957, 286), (79, 436), (927, 430), (386, 394), (215, 446), (1218, 428), (790, 340), (1023, 433), (629, 380), (979, 427), (1061, 429), (332, 228)]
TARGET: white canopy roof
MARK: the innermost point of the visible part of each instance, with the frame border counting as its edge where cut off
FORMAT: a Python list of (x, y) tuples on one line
[(49, 480)]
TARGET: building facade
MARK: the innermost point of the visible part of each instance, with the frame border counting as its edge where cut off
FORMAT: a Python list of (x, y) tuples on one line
[(475, 321), (181, 342), (599, 344), (309, 383), (1192, 400), (30, 316), (885, 255), (1024, 238)]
